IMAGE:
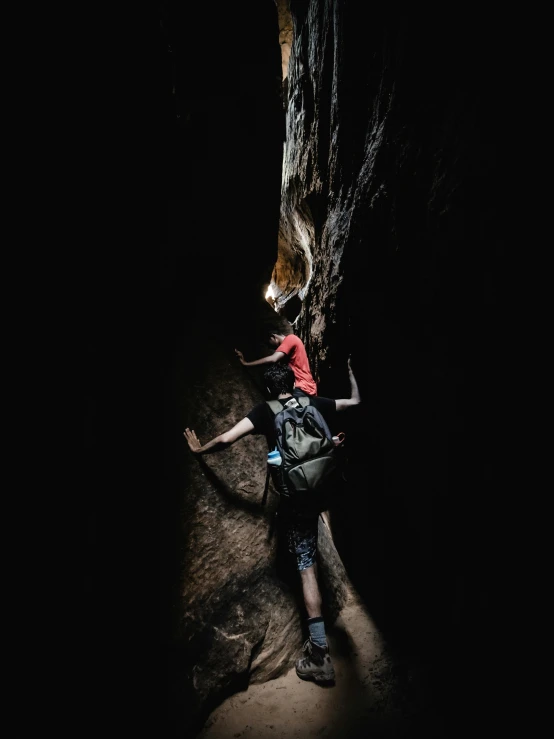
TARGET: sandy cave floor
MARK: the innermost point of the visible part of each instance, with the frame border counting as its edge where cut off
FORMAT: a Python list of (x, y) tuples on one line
[(373, 694)]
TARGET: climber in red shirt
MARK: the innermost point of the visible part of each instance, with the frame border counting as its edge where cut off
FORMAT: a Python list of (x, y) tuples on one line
[(291, 349)]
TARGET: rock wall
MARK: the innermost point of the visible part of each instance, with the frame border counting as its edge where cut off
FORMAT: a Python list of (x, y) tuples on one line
[(391, 234), (238, 608)]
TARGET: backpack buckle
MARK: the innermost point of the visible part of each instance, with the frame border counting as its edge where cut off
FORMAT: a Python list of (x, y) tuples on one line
[(292, 403)]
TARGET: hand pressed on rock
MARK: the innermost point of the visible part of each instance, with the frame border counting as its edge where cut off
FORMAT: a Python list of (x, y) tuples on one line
[(192, 440)]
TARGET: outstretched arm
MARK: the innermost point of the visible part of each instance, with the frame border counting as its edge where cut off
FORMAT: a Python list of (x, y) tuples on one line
[(275, 357), (221, 442), (344, 403)]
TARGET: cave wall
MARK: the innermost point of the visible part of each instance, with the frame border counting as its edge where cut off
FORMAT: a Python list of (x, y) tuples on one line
[(392, 200)]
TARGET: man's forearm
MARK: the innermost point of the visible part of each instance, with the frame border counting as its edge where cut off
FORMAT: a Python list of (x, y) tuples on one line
[(215, 445), (221, 441), (354, 391), (342, 404), (262, 360)]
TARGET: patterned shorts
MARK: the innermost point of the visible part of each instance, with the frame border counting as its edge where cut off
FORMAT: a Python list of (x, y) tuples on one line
[(302, 540)]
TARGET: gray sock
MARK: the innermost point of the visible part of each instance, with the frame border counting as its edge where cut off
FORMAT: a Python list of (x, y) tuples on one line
[(317, 631)]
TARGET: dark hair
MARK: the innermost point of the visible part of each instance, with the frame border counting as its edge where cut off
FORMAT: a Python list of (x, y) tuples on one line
[(279, 379), (277, 327)]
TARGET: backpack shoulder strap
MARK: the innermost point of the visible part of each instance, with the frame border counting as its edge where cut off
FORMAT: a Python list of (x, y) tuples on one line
[(275, 406)]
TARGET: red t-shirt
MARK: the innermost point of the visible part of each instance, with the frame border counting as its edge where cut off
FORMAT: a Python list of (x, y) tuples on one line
[(298, 360)]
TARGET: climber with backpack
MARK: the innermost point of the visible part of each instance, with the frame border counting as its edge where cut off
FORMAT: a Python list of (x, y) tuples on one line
[(297, 429)]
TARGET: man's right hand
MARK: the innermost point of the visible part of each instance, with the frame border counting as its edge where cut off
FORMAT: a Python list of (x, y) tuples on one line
[(192, 440), (240, 355)]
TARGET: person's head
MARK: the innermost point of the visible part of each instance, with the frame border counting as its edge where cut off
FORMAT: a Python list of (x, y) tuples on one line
[(274, 339), (279, 379)]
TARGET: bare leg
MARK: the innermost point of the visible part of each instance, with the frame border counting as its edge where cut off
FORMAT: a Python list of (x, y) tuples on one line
[(310, 590)]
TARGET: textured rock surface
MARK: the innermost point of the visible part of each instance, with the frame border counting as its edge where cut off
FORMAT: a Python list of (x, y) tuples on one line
[(391, 233), (285, 33), (389, 151), (239, 617)]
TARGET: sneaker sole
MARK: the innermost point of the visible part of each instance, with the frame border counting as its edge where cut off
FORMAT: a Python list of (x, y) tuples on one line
[(319, 677)]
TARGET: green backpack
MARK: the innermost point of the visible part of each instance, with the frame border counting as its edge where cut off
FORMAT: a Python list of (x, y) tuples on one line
[(307, 451)]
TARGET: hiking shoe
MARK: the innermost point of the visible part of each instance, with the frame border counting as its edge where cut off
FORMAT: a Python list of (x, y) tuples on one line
[(316, 664)]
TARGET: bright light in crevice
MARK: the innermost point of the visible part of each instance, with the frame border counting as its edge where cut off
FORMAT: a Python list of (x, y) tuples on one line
[(271, 296)]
